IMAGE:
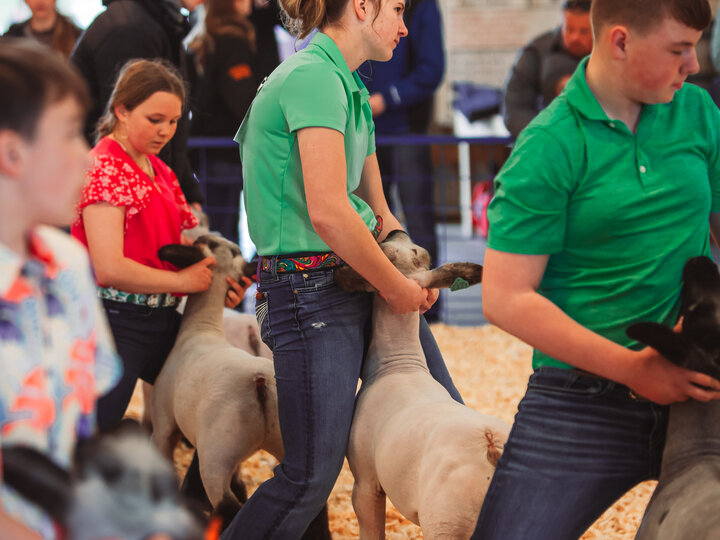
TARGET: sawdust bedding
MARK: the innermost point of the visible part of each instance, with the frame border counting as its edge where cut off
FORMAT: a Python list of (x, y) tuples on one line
[(490, 368)]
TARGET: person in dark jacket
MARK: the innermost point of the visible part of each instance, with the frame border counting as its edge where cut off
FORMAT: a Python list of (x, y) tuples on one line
[(224, 57), (545, 65), (401, 97), (138, 29), (47, 26)]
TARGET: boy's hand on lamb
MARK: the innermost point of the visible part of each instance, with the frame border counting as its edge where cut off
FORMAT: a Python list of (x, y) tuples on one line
[(236, 291)]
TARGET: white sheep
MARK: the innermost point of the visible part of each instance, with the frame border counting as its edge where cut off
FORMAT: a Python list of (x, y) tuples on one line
[(433, 457), (221, 398)]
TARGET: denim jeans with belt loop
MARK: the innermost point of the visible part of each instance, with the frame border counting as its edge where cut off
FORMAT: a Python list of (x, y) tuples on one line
[(578, 443), (318, 334)]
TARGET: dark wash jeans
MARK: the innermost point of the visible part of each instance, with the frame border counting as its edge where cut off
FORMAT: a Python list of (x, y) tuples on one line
[(144, 337), (318, 334), (577, 445)]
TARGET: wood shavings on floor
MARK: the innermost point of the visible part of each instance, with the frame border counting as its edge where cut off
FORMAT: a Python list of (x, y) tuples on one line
[(490, 369)]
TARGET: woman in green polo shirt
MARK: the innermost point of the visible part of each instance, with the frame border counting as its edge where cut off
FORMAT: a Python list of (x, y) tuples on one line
[(314, 197)]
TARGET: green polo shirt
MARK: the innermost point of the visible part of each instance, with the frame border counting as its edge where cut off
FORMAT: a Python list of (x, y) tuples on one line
[(618, 213), (312, 88)]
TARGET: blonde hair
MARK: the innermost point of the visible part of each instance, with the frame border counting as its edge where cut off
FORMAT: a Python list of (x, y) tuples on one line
[(136, 82), (300, 17)]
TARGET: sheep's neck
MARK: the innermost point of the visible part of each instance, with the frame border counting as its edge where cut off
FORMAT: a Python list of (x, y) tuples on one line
[(692, 434), (395, 343), (204, 311)]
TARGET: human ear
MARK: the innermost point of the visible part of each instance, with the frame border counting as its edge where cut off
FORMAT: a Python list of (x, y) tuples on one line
[(361, 8), (618, 37), (12, 154)]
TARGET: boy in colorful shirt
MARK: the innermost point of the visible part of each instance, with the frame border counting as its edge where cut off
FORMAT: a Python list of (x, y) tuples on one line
[(56, 353)]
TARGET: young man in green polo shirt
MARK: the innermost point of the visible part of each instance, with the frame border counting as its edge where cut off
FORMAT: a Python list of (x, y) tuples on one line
[(608, 192)]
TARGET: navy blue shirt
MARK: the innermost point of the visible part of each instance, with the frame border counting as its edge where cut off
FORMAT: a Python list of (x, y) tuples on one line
[(415, 71)]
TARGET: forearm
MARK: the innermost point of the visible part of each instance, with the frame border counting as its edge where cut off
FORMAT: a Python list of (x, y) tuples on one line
[(133, 277), (345, 232), (541, 324)]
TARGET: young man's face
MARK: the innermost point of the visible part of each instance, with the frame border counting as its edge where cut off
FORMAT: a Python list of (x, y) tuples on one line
[(659, 62), (577, 33), (55, 164)]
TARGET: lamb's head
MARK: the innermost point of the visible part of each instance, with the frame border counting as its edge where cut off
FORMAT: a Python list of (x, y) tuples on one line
[(697, 346), (407, 257), (228, 259), (414, 262), (120, 487)]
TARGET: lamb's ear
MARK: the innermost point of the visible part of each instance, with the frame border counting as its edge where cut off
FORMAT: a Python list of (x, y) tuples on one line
[(349, 280), (661, 338), (444, 276), (38, 479), (181, 256)]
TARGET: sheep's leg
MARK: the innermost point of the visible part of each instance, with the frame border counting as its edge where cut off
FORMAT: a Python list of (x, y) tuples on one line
[(368, 501), (147, 406), (219, 459), (165, 436), (450, 510)]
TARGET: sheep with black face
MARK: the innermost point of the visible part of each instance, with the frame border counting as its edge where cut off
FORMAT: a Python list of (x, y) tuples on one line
[(684, 504)]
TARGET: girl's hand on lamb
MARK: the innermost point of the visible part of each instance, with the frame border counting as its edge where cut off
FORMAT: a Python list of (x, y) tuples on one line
[(197, 277), (409, 297), (236, 292), (432, 296)]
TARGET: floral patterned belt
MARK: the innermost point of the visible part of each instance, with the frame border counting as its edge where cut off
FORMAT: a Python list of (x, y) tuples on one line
[(289, 263), (300, 263), (157, 300)]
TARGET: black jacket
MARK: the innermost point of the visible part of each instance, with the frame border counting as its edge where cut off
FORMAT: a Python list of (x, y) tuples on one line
[(130, 29)]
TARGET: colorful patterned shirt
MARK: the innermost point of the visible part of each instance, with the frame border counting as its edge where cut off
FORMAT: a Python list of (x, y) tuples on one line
[(56, 355)]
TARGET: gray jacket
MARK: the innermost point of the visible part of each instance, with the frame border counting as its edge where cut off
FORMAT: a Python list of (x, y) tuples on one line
[(530, 87)]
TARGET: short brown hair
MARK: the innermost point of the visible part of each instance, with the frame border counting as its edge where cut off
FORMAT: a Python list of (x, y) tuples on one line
[(643, 15), (136, 82), (32, 77)]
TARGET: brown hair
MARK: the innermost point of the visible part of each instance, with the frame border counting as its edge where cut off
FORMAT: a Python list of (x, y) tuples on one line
[(302, 16), (643, 15), (136, 82), (31, 78), (221, 18)]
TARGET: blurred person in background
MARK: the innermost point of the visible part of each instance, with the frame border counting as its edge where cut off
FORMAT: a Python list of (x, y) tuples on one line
[(47, 26), (224, 57), (130, 29), (544, 66), (401, 97)]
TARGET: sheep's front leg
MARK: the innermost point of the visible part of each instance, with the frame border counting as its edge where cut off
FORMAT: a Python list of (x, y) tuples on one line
[(368, 501)]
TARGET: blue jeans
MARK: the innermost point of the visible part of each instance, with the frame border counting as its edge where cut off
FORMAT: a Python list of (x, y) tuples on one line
[(318, 334), (578, 444)]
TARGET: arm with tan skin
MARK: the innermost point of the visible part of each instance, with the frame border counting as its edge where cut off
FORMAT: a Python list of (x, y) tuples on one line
[(104, 227), (511, 302), (322, 152), (371, 191)]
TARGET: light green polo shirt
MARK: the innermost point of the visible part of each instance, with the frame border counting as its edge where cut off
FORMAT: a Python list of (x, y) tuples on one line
[(312, 88), (618, 213)]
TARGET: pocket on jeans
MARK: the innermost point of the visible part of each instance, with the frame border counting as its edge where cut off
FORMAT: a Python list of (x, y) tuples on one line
[(261, 314), (558, 381), (316, 281)]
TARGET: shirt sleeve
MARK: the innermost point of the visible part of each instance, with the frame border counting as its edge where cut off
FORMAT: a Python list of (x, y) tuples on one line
[(528, 213), (313, 95), (114, 181)]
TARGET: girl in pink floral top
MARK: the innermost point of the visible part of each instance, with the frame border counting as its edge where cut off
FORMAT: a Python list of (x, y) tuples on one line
[(131, 207)]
